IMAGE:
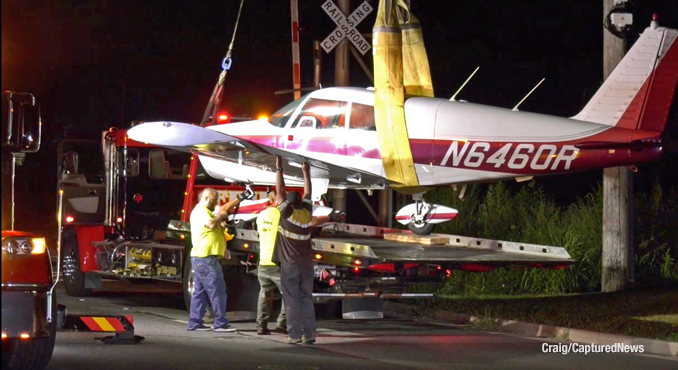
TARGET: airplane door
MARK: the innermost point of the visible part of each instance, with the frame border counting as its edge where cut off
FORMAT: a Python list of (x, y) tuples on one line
[(82, 179)]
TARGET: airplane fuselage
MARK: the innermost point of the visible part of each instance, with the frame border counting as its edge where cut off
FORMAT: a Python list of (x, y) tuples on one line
[(451, 142)]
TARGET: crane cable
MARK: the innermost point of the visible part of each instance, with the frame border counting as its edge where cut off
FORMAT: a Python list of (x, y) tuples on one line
[(218, 92)]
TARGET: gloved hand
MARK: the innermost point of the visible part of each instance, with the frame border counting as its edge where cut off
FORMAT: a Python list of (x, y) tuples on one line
[(336, 216), (247, 194)]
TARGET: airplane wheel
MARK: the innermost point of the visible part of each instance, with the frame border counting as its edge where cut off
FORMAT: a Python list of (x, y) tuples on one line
[(423, 230)]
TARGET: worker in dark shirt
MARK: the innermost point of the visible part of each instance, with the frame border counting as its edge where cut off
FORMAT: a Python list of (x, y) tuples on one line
[(294, 254)]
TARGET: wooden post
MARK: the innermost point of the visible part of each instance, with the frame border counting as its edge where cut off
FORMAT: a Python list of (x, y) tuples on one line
[(617, 253)]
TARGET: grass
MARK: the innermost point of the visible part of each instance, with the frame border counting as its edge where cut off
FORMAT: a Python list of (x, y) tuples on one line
[(671, 319), (568, 297), (641, 312)]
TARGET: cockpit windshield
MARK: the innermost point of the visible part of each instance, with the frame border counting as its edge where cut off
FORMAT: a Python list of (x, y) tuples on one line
[(283, 114)]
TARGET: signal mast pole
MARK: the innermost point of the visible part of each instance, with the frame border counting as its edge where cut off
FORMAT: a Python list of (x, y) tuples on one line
[(296, 67)]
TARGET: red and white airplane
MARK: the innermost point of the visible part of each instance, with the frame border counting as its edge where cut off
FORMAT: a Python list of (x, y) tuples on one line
[(451, 142)]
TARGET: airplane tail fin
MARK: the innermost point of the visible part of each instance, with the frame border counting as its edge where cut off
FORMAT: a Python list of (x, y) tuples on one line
[(638, 93)]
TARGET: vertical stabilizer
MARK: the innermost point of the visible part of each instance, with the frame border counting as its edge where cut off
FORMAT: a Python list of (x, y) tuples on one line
[(638, 93)]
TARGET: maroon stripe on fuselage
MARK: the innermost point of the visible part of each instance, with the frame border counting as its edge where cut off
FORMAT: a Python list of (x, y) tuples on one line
[(494, 156)]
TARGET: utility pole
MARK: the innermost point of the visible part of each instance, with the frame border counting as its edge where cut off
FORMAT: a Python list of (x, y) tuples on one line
[(317, 63), (617, 253), (341, 64)]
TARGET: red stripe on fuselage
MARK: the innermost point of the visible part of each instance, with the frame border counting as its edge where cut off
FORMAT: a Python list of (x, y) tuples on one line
[(496, 156)]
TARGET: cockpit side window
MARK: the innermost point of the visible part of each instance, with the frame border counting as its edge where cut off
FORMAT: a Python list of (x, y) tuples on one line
[(362, 117), (321, 114), (283, 114)]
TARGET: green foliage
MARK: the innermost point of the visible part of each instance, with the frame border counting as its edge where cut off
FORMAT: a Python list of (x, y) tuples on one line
[(528, 215)]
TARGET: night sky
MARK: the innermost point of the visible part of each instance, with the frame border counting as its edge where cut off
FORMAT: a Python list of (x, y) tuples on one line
[(96, 64)]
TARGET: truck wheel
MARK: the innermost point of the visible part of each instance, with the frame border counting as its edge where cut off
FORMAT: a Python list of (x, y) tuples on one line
[(426, 229), (328, 310), (30, 354), (74, 280), (188, 283)]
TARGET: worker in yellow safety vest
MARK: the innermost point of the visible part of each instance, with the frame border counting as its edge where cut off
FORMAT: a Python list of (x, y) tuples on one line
[(267, 271)]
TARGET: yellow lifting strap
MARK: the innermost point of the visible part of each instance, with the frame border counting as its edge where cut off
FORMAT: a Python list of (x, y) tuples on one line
[(389, 98), (416, 71)]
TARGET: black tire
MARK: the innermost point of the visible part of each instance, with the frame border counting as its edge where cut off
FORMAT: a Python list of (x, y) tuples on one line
[(30, 354), (328, 310), (424, 230), (187, 281), (74, 279)]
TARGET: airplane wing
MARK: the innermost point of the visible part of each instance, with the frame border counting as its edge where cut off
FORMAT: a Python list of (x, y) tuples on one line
[(214, 144)]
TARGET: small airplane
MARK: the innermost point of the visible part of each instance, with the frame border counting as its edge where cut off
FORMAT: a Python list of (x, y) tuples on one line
[(452, 142)]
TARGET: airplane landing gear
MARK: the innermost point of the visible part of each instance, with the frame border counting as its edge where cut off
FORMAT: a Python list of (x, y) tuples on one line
[(421, 216), (418, 223)]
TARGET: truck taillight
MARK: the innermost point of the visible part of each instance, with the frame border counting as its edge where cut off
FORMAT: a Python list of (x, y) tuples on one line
[(70, 219), (119, 220)]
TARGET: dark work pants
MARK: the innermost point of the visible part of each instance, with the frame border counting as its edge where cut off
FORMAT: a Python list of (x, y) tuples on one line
[(297, 286), (269, 279)]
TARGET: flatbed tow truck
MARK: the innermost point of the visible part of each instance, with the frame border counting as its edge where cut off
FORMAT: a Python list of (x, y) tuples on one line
[(126, 210)]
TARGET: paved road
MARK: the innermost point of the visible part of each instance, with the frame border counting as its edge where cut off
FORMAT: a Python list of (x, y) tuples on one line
[(391, 343)]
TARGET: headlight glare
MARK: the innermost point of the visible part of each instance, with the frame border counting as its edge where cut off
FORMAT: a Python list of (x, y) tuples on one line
[(10, 246), (39, 245)]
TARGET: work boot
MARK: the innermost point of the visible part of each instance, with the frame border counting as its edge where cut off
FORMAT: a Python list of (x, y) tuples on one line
[(281, 329), (263, 331)]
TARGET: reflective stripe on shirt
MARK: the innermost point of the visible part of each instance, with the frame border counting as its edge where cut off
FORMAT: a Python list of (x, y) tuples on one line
[(292, 235), (294, 222)]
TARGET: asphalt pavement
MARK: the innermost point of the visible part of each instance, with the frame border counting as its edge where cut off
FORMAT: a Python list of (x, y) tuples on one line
[(391, 343)]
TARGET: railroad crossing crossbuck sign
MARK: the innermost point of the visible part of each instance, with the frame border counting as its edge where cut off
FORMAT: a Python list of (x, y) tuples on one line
[(346, 26)]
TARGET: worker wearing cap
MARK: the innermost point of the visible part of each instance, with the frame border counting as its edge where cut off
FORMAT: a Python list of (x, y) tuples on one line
[(209, 245)]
